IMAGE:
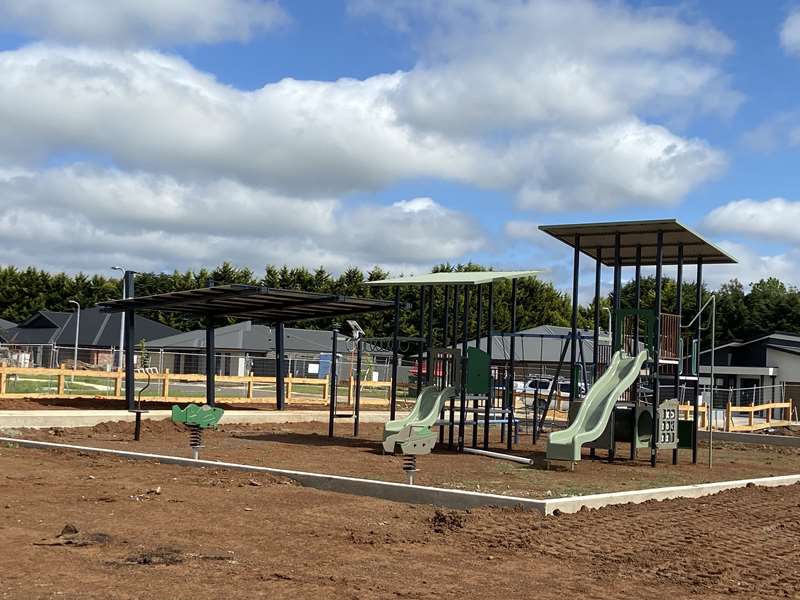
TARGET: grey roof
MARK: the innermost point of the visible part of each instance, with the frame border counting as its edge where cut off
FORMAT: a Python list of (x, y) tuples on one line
[(97, 329), (253, 303), (594, 236), (543, 348), (4, 324), (249, 337), (455, 278)]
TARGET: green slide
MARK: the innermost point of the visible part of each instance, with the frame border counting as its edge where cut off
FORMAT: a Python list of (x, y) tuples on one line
[(414, 434), (596, 409)]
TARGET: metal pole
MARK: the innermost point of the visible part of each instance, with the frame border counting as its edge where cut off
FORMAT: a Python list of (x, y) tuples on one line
[(462, 413), (489, 348), (596, 336), (636, 325), (357, 404), (430, 376), (711, 397), (280, 394), (77, 333), (445, 329), (119, 360), (452, 408), (612, 450), (130, 381), (657, 348), (698, 333), (211, 362), (395, 350), (421, 334), (573, 351), (679, 310), (512, 366), (479, 308), (333, 381)]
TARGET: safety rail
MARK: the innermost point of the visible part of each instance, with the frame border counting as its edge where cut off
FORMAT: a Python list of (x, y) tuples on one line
[(765, 422)]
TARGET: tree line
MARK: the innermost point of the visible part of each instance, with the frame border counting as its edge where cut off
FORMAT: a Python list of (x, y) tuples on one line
[(742, 313)]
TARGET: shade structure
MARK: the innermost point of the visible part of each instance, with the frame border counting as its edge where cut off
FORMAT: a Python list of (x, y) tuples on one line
[(642, 234), (457, 278), (252, 302)]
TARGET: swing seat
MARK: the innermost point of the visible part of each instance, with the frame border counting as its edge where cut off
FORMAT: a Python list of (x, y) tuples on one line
[(414, 434)]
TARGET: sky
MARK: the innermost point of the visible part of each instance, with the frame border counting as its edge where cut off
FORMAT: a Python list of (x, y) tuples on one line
[(402, 133)]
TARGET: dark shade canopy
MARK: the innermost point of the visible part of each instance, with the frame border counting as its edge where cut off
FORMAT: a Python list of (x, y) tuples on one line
[(640, 233), (253, 302)]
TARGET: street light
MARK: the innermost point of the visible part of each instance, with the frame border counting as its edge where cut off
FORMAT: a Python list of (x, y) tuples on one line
[(77, 332), (121, 320)]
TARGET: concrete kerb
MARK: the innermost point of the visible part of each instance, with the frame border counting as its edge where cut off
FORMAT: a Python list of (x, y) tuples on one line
[(416, 494)]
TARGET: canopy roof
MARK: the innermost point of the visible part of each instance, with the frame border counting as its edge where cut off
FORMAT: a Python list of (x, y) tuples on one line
[(594, 236), (252, 302), (458, 278)]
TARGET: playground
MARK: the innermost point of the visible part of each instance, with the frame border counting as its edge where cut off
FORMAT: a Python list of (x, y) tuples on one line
[(240, 513)]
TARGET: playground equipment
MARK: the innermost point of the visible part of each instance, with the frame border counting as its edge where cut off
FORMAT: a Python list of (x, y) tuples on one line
[(644, 243), (597, 407), (196, 418), (414, 434)]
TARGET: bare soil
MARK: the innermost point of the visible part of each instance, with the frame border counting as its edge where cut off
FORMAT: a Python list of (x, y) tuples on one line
[(85, 526), (307, 447)]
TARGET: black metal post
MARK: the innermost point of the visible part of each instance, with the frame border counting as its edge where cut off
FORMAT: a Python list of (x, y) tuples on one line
[(357, 401), (130, 317), (573, 351), (395, 352), (280, 394), (479, 308), (211, 362), (679, 310), (421, 334), (445, 330), (489, 348), (462, 413), (612, 449), (430, 376), (698, 333), (512, 366), (333, 382), (657, 353), (596, 336), (452, 407), (638, 293)]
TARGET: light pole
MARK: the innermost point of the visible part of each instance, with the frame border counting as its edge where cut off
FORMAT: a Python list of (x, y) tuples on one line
[(710, 415), (121, 320), (77, 332)]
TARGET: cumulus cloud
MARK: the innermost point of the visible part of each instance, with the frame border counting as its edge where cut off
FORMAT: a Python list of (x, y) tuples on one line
[(87, 218), (141, 22), (773, 219), (790, 33)]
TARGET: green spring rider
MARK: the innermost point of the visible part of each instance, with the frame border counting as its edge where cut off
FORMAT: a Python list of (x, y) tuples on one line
[(196, 418)]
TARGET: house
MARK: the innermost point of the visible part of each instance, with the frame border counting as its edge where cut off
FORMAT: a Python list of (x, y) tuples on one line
[(756, 370), (5, 324), (246, 347), (47, 339)]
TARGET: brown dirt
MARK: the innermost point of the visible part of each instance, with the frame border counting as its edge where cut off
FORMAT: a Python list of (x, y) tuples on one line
[(159, 531), (306, 447)]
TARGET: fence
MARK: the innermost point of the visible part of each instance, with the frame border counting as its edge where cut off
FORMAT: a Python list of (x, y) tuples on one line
[(154, 386)]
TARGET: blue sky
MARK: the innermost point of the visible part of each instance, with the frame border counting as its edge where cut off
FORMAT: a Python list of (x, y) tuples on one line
[(394, 132)]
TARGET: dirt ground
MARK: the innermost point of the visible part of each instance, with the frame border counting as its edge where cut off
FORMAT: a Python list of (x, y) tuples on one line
[(306, 447), (85, 526)]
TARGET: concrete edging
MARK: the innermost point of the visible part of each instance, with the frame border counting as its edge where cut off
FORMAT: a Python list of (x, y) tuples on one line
[(790, 441), (416, 494)]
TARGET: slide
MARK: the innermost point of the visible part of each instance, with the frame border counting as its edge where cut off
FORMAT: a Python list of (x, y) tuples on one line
[(596, 409), (413, 434)]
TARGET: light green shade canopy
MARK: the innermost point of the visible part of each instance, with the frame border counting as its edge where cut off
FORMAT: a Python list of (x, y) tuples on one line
[(459, 278)]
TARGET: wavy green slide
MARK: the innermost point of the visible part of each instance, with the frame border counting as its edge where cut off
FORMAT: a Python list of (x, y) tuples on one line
[(596, 409), (414, 434)]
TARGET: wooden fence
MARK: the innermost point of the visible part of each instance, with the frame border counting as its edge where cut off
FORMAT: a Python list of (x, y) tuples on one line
[(161, 389), (765, 422)]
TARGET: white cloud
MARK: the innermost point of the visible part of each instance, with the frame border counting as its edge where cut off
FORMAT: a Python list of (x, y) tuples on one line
[(83, 218), (773, 219), (141, 22), (779, 131), (790, 33)]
